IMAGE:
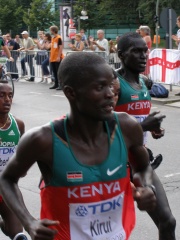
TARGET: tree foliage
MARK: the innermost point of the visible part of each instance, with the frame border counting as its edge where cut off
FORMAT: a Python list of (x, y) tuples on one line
[(122, 12), (17, 15), (40, 15), (94, 19), (9, 15)]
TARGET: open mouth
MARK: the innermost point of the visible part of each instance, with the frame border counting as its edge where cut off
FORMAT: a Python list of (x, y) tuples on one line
[(108, 107)]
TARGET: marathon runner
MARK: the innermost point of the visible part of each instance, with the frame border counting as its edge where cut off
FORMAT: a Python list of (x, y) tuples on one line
[(83, 158), (135, 100), (11, 129)]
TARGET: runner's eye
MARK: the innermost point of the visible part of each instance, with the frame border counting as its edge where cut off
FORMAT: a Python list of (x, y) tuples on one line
[(100, 87)]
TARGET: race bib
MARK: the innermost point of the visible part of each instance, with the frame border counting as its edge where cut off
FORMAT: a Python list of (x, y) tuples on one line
[(55, 45), (98, 220), (5, 154), (140, 119)]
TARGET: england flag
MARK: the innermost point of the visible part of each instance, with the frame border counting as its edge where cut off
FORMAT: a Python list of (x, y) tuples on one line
[(165, 66)]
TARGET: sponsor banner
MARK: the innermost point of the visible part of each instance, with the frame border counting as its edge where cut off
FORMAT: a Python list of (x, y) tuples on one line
[(165, 65)]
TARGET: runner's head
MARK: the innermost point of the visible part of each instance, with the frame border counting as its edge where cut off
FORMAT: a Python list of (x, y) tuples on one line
[(116, 89), (6, 96), (132, 50), (86, 80)]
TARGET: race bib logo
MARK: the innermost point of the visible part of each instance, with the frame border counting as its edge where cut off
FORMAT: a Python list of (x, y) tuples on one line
[(81, 211)]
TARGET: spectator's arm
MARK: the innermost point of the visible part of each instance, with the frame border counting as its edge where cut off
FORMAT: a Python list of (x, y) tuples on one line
[(92, 46)]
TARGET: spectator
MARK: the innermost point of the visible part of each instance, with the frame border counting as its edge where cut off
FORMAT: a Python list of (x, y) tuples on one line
[(56, 55), (45, 63), (41, 55), (113, 50), (84, 38), (79, 45), (145, 34), (176, 37), (13, 47), (27, 46), (18, 40), (101, 45)]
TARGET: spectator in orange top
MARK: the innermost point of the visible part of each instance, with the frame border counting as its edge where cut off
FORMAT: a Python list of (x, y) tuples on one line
[(56, 55)]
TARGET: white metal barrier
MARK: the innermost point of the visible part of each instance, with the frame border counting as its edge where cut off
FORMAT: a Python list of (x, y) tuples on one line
[(28, 64), (113, 59)]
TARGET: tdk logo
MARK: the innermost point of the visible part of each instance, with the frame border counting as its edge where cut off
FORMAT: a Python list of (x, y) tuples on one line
[(81, 211), (101, 207), (106, 206)]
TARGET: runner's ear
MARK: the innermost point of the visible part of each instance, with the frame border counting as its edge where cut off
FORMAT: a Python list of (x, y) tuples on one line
[(69, 93), (120, 54)]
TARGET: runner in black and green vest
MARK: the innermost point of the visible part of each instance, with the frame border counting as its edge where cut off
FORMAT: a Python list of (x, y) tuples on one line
[(135, 100), (11, 129)]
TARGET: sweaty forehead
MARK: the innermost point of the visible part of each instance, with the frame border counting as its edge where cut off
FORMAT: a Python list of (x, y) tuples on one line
[(138, 43), (102, 70), (5, 87)]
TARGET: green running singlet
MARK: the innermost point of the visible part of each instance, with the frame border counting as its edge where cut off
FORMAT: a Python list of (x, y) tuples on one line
[(90, 202), (9, 139), (136, 103)]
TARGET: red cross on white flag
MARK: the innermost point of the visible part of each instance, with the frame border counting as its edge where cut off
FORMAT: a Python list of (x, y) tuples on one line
[(165, 66)]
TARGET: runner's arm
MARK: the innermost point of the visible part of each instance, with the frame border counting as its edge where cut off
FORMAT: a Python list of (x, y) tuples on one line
[(161, 214), (142, 171), (31, 147), (21, 126), (5, 48)]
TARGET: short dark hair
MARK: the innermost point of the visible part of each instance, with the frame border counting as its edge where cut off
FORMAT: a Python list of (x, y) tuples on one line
[(127, 40), (77, 67)]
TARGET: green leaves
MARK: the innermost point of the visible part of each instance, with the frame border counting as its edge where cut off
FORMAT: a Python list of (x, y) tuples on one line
[(9, 15), (40, 15), (17, 15)]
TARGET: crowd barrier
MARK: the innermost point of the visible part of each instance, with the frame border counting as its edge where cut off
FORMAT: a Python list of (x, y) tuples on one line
[(29, 64), (112, 59), (165, 66)]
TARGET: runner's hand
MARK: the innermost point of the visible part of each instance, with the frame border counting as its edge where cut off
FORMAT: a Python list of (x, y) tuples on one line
[(39, 229), (144, 196), (152, 122), (158, 134)]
